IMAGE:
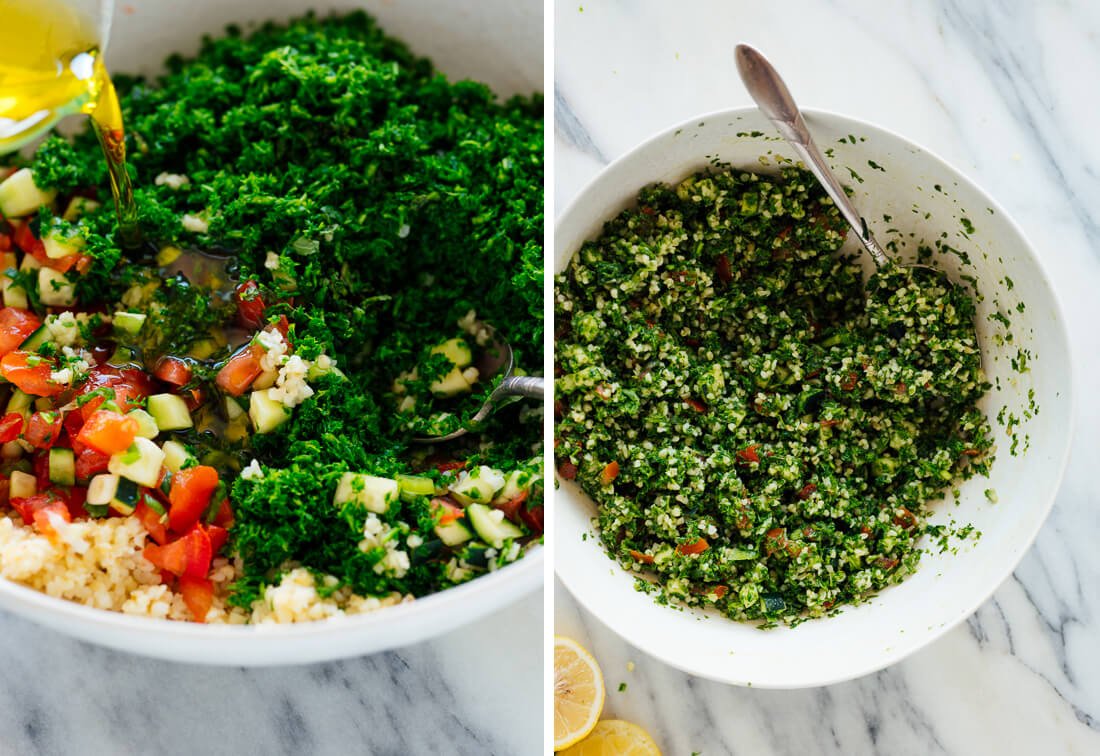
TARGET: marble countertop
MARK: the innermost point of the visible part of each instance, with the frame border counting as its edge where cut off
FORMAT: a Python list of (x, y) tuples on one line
[(59, 697), (1003, 91)]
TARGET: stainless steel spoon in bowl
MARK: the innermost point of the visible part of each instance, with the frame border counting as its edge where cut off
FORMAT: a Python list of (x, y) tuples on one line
[(492, 360), (774, 100)]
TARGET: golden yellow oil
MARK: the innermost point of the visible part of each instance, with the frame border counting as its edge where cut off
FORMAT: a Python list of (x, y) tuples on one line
[(50, 66)]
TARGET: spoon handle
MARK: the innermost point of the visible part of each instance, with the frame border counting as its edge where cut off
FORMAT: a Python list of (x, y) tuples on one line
[(530, 386), (774, 99)]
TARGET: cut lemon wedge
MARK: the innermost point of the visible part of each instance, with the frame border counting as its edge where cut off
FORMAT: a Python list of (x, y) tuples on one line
[(614, 737), (578, 692)]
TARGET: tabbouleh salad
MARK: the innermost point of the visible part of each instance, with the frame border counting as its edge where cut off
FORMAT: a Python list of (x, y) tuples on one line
[(218, 427), (761, 432)]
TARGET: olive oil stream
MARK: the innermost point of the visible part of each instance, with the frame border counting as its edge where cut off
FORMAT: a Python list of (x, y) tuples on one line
[(51, 67)]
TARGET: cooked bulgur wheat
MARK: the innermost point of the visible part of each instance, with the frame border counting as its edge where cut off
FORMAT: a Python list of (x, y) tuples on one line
[(99, 563)]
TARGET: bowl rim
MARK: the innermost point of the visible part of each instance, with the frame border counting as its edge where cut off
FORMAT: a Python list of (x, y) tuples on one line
[(892, 656), (521, 578)]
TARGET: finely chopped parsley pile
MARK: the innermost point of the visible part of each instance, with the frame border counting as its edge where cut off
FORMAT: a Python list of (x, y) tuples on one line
[(376, 221), (759, 433)]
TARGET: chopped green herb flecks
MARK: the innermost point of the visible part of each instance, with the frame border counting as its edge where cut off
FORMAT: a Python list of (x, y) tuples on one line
[(761, 432)]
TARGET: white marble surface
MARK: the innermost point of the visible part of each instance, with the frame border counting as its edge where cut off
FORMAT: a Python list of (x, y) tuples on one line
[(478, 690), (1005, 91)]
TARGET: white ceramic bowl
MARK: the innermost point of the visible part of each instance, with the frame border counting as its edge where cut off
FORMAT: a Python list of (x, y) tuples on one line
[(948, 587), (496, 41)]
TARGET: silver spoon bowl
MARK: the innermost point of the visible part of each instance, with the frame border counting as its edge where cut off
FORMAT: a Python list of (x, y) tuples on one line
[(495, 359)]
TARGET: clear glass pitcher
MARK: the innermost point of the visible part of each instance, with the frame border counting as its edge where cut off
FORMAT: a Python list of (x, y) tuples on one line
[(48, 64)]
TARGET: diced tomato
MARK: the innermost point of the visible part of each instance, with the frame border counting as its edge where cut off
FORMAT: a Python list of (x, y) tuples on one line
[(447, 510), (187, 555), (454, 465), (42, 470), (512, 507), (27, 505), (44, 429), (695, 547), (173, 370), (218, 537), (10, 427), (108, 432), (77, 496), (224, 517), (696, 405), (15, 326), (189, 496), (748, 454), (129, 387), (724, 273), (609, 473), (282, 325), (533, 518), (31, 373), (719, 591), (250, 305), (5, 243), (849, 382), (198, 594), (73, 422), (905, 518), (640, 557), (807, 491), (44, 516), (152, 522), (90, 462), (567, 470), (25, 239), (241, 370)]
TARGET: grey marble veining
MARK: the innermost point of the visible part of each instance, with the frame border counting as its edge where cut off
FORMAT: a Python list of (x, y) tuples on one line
[(476, 691), (1005, 91)]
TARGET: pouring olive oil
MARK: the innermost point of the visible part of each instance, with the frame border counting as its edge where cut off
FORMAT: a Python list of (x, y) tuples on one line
[(51, 67)]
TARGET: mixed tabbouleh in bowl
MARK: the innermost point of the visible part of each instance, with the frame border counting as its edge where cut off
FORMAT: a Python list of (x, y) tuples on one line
[(760, 431), (218, 426)]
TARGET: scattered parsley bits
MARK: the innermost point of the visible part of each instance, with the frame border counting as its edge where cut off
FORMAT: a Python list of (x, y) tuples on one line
[(760, 431)]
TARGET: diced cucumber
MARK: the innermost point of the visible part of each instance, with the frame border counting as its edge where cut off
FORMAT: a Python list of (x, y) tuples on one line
[(147, 425), (14, 296), (20, 402), (55, 289), (29, 263), (515, 483), (478, 485), (455, 350), (233, 410), (491, 525), (168, 255), (78, 206), (374, 493), (22, 485), (43, 404), (58, 246), (266, 413), (202, 349), (176, 456), (415, 485), (101, 490), (122, 356), (453, 533), (452, 384), (457, 574), (62, 467), (126, 497), (128, 323), (40, 336), (20, 196), (265, 380), (170, 411), (140, 463)]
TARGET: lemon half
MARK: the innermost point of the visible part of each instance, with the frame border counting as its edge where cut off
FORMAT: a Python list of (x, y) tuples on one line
[(578, 692), (614, 737)]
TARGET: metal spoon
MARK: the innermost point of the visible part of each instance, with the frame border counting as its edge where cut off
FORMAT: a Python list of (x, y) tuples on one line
[(493, 359), (774, 99)]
